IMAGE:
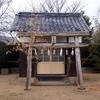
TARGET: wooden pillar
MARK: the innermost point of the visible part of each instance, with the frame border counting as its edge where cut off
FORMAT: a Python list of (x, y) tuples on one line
[(29, 68), (35, 69), (78, 65), (35, 73)]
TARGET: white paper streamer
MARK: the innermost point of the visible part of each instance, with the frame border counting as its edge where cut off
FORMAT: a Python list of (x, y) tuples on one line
[(35, 52), (66, 52), (54, 52), (61, 51), (72, 52)]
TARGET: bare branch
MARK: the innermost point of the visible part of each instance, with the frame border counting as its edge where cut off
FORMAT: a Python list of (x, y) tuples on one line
[(5, 17), (31, 4), (58, 6)]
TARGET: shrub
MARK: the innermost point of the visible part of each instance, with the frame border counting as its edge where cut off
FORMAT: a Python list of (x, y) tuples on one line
[(12, 64), (94, 59), (13, 55), (3, 49), (96, 68)]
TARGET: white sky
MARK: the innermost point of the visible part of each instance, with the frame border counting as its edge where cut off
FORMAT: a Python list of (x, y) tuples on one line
[(90, 8)]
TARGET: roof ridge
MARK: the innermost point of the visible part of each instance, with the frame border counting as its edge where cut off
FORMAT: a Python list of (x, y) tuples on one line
[(47, 14)]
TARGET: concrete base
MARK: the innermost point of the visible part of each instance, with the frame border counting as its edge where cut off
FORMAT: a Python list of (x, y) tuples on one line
[(4, 71)]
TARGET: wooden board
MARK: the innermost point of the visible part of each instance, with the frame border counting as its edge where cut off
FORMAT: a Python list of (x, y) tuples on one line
[(50, 68)]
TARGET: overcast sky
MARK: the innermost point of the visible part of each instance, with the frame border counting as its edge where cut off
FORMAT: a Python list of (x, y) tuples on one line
[(90, 8)]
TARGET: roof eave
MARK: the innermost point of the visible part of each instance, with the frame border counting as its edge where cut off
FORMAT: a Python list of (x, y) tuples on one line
[(68, 34)]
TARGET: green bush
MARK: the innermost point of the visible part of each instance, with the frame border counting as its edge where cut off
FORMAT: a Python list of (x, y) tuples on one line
[(3, 49), (85, 52), (93, 61), (8, 56), (12, 64), (13, 55), (96, 68)]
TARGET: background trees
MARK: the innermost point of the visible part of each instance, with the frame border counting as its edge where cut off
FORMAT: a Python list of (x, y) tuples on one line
[(57, 6), (4, 14), (52, 6), (96, 35), (5, 17), (3, 49), (4, 25), (93, 58)]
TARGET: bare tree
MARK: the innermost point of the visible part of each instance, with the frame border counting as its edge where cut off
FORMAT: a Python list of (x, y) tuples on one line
[(53, 6), (97, 19), (5, 16), (96, 35), (75, 6), (4, 4), (57, 6)]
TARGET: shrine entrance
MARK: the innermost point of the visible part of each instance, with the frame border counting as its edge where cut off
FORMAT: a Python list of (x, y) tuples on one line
[(51, 61)]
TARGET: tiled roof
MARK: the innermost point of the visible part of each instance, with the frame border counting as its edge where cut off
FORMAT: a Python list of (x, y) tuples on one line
[(50, 22)]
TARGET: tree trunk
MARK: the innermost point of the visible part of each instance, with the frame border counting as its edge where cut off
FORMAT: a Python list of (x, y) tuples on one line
[(29, 69)]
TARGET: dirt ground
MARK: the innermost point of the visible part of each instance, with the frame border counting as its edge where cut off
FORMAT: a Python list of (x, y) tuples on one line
[(11, 88)]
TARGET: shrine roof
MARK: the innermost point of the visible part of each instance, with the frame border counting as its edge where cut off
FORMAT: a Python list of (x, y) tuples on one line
[(54, 23)]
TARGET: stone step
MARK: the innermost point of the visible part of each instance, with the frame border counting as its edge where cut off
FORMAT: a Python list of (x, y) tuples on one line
[(51, 83)]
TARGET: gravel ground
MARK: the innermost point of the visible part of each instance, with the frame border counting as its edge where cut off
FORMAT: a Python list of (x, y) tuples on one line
[(11, 88)]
